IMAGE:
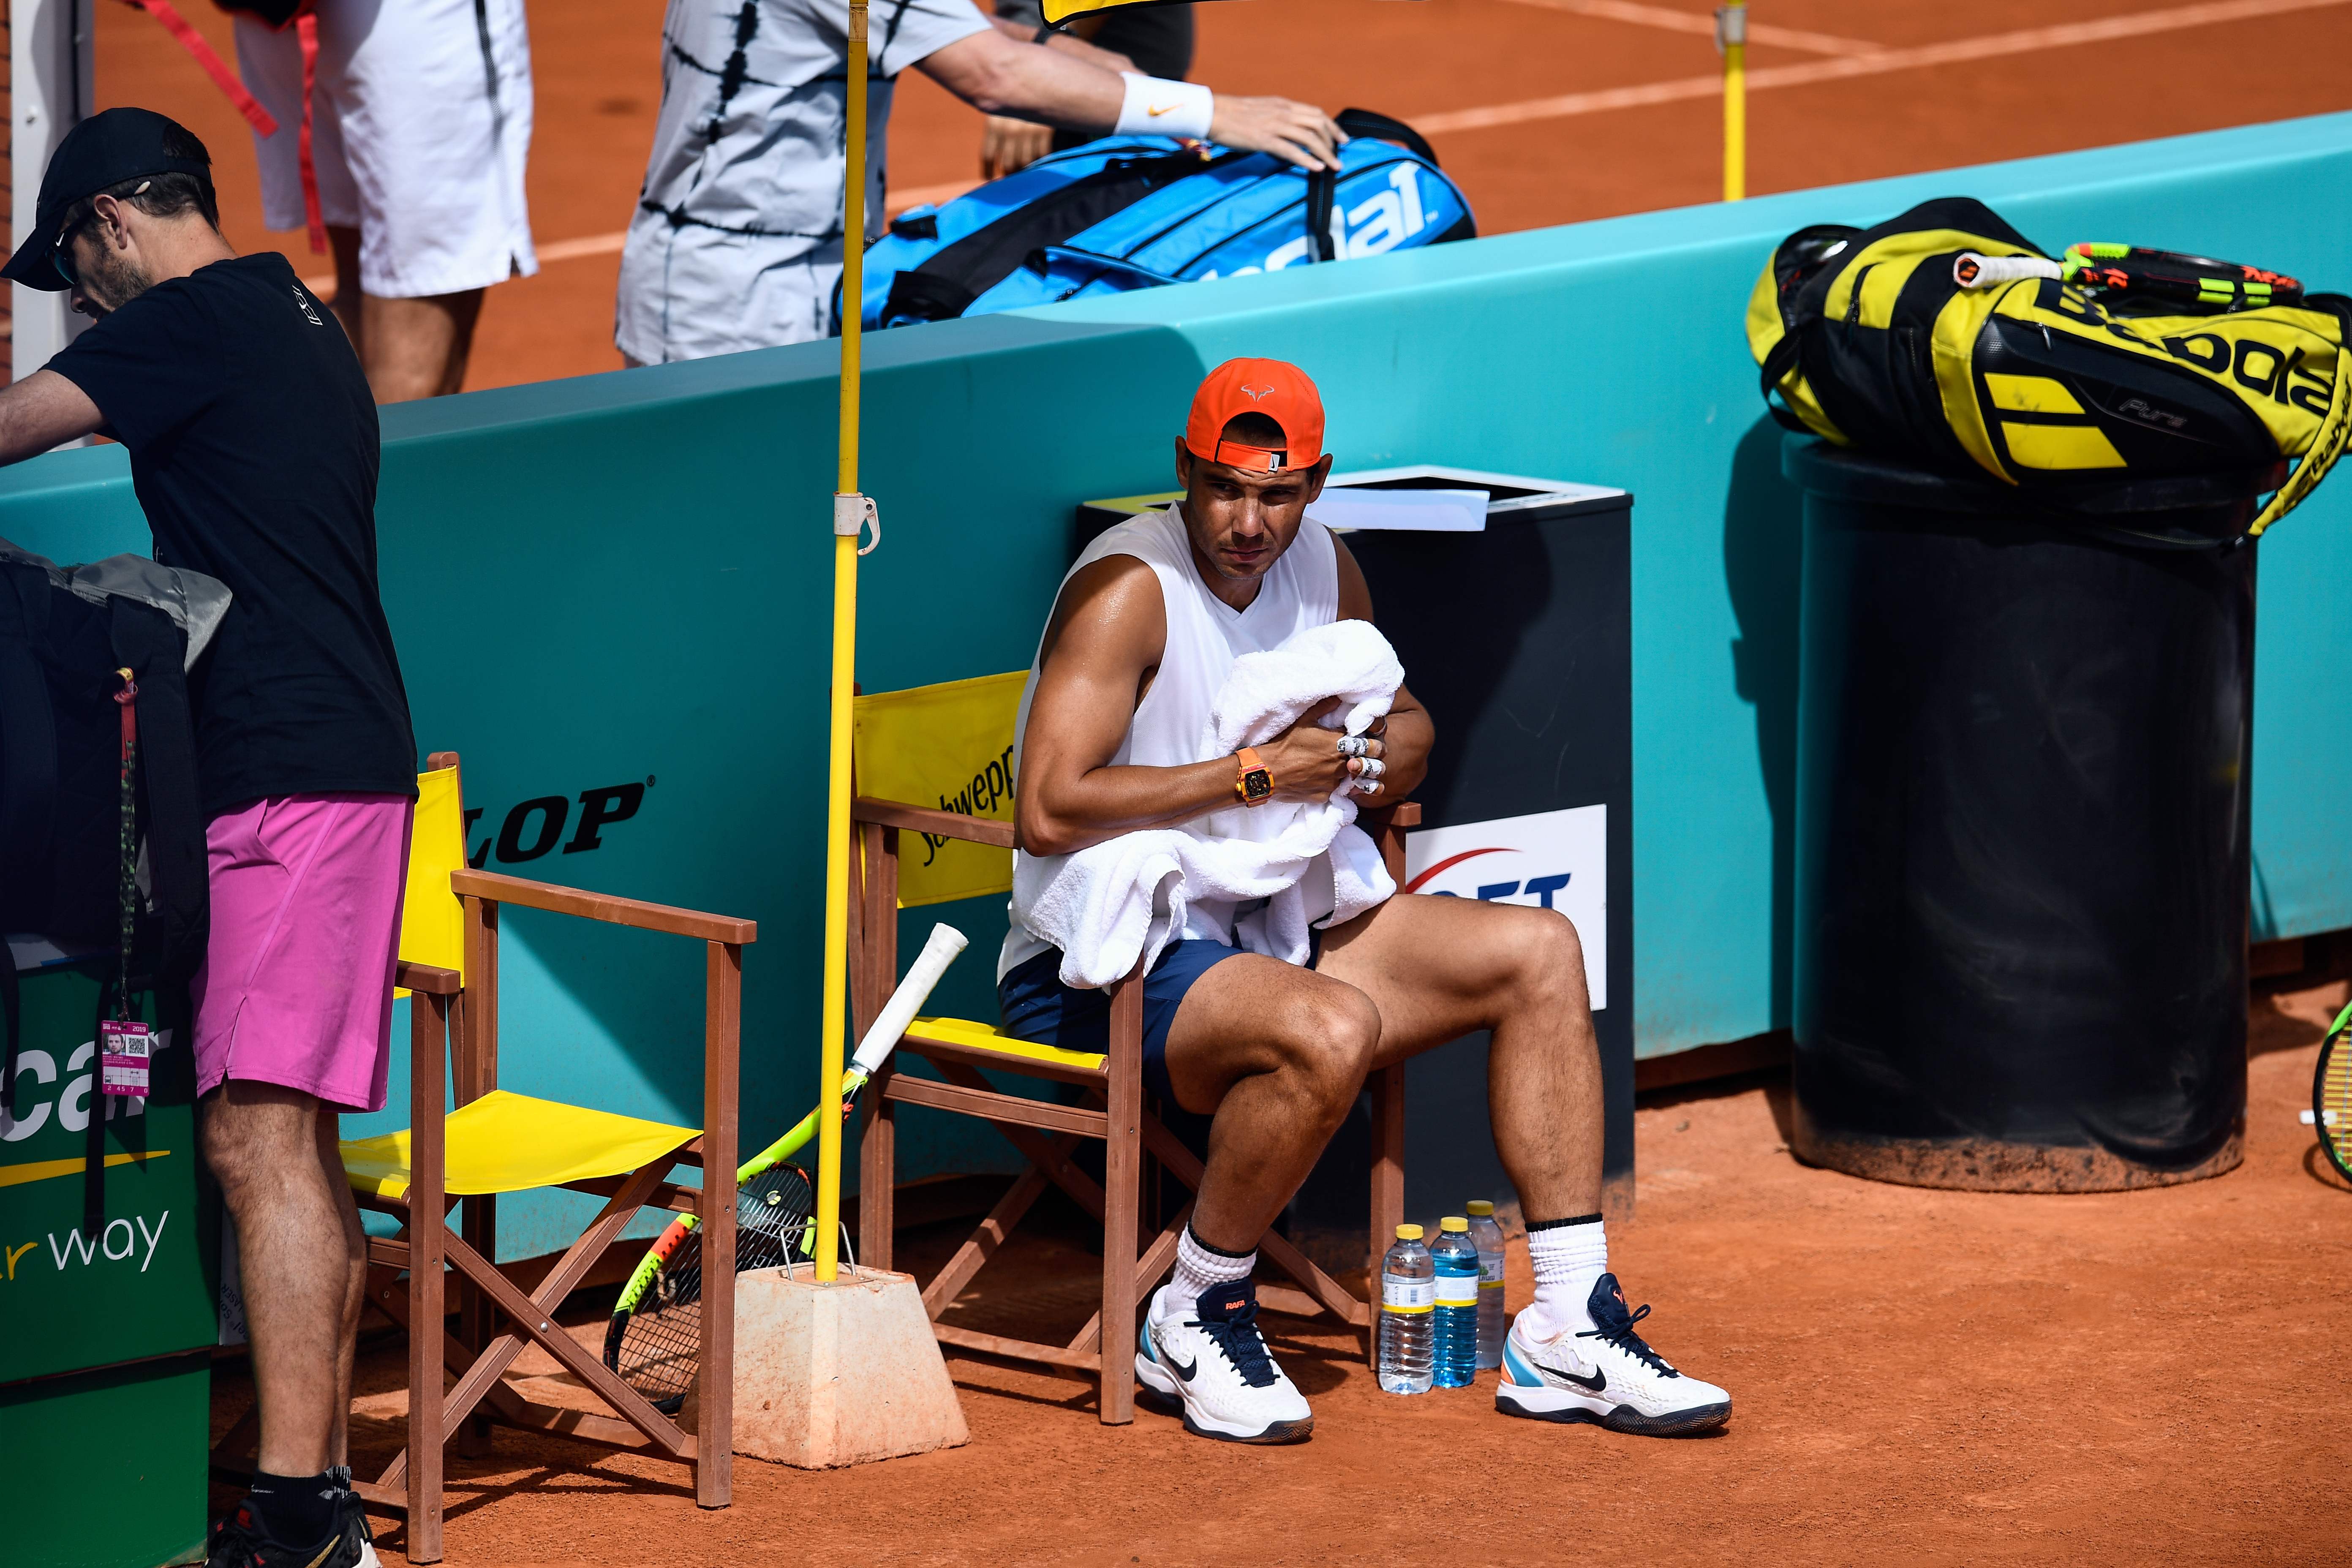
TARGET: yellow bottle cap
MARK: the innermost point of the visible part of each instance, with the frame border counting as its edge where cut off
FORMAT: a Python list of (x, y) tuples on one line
[(1479, 1208), (1408, 1233), (1454, 1222)]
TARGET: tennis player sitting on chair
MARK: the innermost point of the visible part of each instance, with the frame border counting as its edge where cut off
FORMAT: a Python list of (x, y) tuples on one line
[(1148, 626)]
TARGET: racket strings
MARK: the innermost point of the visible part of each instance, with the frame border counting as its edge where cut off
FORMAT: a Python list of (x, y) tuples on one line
[(2332, 1104), (660, 1350)]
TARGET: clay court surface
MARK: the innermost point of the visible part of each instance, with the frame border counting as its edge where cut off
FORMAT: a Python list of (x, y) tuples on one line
[(1523, 99), (1917, 1376)]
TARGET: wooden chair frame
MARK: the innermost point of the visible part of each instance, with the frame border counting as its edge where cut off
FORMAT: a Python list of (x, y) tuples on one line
[(464, 1019), (1048, 1132)]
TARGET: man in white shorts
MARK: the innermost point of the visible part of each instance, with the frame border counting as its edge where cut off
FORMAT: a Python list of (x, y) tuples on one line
[(420, 128), (737, 241)]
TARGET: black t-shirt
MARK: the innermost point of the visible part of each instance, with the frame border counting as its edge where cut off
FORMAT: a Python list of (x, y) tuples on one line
[(253, 451)]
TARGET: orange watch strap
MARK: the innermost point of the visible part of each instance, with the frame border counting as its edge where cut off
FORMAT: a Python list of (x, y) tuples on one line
[(1250, 762)]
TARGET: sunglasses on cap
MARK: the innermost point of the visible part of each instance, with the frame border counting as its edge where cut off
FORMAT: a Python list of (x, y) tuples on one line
[(61, 257)]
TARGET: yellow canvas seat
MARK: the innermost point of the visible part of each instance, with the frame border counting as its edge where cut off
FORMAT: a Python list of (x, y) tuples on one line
[(989, 1038), (953, 744), (509, 1143), (496, 1142)]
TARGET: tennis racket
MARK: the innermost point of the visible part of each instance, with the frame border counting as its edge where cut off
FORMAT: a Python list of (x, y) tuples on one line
[(2218, 287), (2331, 1095), (653, 1342)]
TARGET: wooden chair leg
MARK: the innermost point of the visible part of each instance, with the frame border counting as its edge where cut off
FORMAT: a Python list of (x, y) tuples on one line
[(878, 1175), (714, 1451), (477, 1322), (428, 1029), (1388, 1189), (872, 976), (1123, 1196)]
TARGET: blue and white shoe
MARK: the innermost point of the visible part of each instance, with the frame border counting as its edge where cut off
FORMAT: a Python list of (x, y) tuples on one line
[(1212, 1363), (1605, 1375)]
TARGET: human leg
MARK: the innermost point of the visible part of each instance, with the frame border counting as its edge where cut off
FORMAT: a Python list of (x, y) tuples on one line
[(435, 97), (1276, 1055), (417, 348), (262, 1144), (345, 241), (328, 1129), (1438, 968), (1435, 969), (293, 1021)]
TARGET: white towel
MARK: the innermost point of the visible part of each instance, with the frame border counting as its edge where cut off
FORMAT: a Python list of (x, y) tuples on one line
[(1124, 899)]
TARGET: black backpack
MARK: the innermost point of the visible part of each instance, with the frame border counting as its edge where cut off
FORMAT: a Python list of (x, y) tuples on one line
[(65, 633)]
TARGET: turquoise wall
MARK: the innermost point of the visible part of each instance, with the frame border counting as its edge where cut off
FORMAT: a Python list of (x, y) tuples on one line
[(626, 576)]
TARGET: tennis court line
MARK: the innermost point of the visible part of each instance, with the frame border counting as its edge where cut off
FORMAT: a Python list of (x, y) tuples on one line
[(1994, 45), (1675, 21), (1873, 61), (608, 244)]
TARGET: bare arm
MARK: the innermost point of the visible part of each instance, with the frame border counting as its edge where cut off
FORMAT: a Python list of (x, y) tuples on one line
[(42, 411), (996, 75), (1072, 43), (1409, 733)]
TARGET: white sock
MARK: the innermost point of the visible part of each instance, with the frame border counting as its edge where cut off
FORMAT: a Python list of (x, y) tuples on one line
[(1199, 1269), (1570, 1258)]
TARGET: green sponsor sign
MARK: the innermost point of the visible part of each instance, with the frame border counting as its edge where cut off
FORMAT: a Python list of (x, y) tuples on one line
[(140, 1285)]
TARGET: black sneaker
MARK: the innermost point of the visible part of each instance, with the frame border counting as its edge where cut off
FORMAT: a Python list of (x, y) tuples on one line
[(240, 1540)]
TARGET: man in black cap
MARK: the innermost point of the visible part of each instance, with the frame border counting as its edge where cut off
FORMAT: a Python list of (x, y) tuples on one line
[(253, 451)]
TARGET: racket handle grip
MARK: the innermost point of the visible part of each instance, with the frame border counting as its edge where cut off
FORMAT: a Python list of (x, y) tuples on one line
[(939, 951), (1971, 270)]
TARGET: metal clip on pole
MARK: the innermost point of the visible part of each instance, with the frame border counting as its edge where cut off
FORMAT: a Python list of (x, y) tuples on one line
[(852, 514), (1730, 26)]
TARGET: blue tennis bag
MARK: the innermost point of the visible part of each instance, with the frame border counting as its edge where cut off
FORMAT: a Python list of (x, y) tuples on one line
[(1136, 212)]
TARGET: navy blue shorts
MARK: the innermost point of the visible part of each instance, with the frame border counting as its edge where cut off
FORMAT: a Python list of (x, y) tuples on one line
[(1038, 1006)]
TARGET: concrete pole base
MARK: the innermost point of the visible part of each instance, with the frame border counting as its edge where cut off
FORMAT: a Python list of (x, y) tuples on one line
[(828, 1376)]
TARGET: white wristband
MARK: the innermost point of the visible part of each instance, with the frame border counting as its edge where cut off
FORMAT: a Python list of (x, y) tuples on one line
[(1157, 107)]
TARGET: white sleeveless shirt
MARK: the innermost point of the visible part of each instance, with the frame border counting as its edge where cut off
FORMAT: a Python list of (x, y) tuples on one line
[(1205, 634)]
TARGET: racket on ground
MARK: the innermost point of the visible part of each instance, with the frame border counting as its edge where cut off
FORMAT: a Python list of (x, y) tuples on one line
[(2331, 1095), (653, 1342)]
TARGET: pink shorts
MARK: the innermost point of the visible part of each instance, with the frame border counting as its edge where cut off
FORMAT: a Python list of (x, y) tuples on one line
[(296, 985)]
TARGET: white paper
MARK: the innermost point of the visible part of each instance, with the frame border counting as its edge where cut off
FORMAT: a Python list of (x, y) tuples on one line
[(1424, 511)]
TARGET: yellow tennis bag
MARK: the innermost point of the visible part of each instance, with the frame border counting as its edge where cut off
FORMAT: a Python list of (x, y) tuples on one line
[(1946, 339)]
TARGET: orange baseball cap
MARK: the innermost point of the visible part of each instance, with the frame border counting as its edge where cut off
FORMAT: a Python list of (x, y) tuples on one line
[(1273, 387)]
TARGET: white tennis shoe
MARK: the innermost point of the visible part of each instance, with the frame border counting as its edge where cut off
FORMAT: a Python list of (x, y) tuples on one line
[(1605, 1375), (1213, 1361)]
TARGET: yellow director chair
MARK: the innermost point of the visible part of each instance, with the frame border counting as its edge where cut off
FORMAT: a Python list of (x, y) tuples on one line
[(496, 1142), (953, 744)]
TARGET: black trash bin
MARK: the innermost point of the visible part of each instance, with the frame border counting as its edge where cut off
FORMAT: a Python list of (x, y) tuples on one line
[(2021, 827)]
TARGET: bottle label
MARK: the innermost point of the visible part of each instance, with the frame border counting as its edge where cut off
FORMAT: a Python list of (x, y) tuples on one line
[(1457, 1289), (1490, 1273), (1400, 1294)]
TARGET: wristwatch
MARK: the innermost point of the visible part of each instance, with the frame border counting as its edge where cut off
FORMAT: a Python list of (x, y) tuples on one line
[(1256, 784)]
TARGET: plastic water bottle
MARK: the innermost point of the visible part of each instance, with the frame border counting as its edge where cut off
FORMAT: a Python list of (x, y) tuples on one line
[(1455, 1354), (1407, 1296), (1487, 1237)]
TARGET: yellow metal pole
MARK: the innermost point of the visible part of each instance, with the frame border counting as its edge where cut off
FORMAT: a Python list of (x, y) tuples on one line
[(1731, 36), (848, 513)]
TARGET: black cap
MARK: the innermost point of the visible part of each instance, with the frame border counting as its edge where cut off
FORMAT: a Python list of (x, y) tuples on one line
[(110, 147)]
